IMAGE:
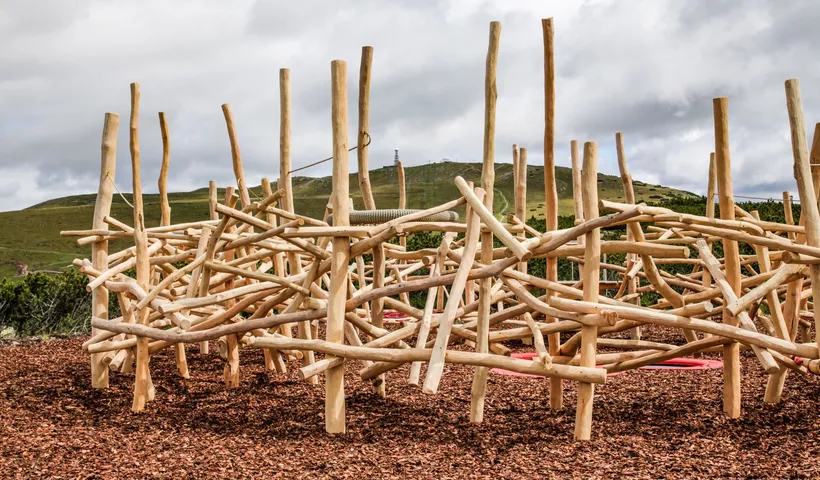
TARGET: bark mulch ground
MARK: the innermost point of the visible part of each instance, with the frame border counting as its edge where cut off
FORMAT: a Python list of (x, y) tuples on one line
[(647, 424)]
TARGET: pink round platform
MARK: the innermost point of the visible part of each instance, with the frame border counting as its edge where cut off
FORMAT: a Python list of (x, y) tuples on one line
[(673, 364), (685, 364)]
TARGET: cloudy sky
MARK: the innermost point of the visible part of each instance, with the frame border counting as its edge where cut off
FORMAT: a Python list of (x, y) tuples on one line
[(647, 68)]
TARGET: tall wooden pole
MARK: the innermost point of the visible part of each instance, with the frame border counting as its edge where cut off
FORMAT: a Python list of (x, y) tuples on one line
[(334, 378), (236, 157), (142, 386), (99, 250), (731, 351), (402, 186), (285, 183), (364, 125), (404, 297), (229, 344), (488, 184), (213, 199), (814, 159), (515, 157), (629, 197), (285, 165), (592, 275), (550, 189), (577, 194), (774, 385), (162, 182), (165, 220), (521, 195), (711, 191), (809, 213)]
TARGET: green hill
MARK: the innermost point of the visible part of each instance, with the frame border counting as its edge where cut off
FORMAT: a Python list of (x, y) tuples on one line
[(32, 236)]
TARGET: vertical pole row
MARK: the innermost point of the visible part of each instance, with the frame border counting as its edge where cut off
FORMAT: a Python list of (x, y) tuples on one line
[(479, 388), (364, 125), (591, 279), (334, 379), (731, 351), (550, 190), (99, 250)]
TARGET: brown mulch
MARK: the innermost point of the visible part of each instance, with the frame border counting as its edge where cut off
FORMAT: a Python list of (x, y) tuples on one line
[(647, 424)]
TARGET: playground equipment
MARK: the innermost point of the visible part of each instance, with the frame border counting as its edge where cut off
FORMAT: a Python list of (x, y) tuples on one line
[(254, 270)]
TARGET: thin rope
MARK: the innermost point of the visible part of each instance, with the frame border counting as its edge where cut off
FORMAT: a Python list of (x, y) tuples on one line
[(331, 157), (108, 176), (768, 199)]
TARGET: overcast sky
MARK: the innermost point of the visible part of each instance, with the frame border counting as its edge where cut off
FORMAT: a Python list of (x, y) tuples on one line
[(647, 68)]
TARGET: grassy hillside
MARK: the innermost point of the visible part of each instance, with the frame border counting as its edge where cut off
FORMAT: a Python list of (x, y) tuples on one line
[(31, 236)]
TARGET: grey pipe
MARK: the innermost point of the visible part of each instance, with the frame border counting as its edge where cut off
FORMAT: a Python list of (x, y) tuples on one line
[(375, 217)]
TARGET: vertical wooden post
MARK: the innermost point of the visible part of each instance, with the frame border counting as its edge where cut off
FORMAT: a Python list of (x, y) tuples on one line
[(629, 197), (364, 125), (204, 347), (212, 200), (577, 193), (165, 220), (774, 385), (285, 183), (479, 388), (469, 288), (162, 183), (404, 297), (142, 386), (229, 344), (809, 214), (515, 159), (99, 250), (814, 159), (521, 196), (334, 378), (592, 269), (402, 185), (279, 257), (788, 216), (711, 191), (550, 190), (731, 351), (284, 142), (377, 310), (236, 157)]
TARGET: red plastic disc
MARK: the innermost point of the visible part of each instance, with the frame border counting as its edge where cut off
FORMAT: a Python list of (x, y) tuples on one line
[(685, 364)]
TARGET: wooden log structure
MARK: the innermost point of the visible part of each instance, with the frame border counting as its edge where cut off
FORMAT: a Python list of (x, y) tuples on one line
[(251, 271)]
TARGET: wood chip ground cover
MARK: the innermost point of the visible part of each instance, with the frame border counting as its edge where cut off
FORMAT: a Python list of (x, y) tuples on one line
[(647, 424)]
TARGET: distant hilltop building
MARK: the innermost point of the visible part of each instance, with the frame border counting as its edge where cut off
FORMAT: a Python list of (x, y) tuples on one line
[(395, 160)]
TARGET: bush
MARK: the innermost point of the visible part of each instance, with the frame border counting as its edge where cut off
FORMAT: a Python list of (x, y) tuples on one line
[(43, 304)]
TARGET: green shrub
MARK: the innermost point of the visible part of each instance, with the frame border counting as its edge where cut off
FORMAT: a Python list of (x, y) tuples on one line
[(43, 304)]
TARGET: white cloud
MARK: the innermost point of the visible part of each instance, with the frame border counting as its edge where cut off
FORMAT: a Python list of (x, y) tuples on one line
[(647, 68)]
